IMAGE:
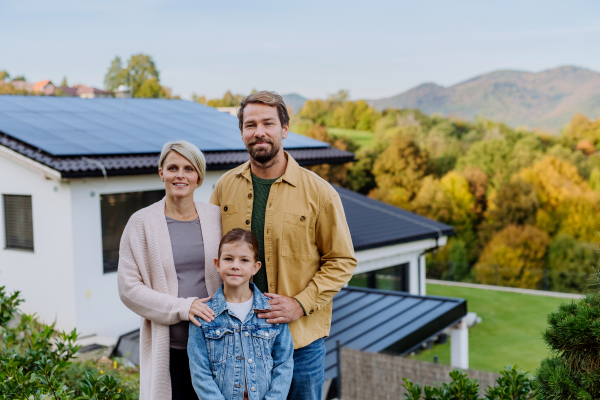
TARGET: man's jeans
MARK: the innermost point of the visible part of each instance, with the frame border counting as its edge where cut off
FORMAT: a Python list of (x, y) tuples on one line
[(309, 372)]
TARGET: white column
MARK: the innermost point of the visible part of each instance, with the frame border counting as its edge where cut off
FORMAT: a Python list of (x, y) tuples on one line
[(422, 271), (413, 276), (459, 345)]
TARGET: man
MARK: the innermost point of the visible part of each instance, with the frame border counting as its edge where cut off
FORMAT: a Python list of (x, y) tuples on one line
[(304, 241)]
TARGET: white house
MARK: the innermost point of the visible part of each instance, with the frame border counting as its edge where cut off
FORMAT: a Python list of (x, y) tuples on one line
[(74, 171)]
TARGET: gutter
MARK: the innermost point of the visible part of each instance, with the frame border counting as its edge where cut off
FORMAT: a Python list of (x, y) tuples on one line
[(47, 172)]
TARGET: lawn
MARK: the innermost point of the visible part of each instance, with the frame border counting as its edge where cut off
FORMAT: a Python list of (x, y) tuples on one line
[(510, 333), (362, 138)]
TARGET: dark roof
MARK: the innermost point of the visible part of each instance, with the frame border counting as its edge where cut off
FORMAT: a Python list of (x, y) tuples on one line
[(70, 126), (368, 320), (386, 321), (376, 224), (135, 164)]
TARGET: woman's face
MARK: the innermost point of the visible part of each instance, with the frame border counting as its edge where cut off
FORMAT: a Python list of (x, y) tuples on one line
[(179, 175)]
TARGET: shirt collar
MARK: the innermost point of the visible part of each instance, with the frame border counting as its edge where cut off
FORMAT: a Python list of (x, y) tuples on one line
[(290, 175), (219, 304)]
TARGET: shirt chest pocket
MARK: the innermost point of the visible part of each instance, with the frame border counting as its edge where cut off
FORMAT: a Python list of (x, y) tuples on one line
[(229, 216), (219, 344), (263, 339), (298, 235)]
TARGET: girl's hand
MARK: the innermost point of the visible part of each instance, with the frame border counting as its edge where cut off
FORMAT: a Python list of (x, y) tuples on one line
[(199, 309)]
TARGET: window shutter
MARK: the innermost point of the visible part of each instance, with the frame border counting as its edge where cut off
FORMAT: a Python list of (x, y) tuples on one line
[(18, 222), (115, 210)]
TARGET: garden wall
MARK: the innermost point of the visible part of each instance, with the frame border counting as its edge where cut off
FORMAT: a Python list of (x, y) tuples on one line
[(379, 376)]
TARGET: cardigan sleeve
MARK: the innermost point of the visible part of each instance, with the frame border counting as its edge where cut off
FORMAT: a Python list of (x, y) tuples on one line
[(153, 305)]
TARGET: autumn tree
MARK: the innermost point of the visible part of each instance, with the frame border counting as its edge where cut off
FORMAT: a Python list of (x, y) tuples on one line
[(492, 157), (514, 203), (570, 264), (514, 257), (399, 170), (4, 76)]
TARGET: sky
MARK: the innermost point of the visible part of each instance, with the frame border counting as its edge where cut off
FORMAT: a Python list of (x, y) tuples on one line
[(372, 48)]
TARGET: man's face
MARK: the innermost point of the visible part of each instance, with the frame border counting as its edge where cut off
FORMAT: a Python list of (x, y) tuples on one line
[(262, 132)]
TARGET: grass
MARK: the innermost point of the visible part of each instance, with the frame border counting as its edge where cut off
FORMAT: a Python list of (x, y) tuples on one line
[(362, 138), (510, 332)]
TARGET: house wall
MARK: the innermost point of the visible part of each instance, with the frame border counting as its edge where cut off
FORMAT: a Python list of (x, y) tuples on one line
[(44, 276), (99, 309), (389, 256)]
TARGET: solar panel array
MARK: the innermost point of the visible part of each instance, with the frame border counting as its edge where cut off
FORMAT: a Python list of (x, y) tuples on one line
[(66, 126)]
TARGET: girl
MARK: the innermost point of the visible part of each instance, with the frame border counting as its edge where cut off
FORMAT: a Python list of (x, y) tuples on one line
[(237, 355)]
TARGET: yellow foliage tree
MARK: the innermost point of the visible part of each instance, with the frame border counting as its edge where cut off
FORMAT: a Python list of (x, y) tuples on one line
[(514, 257), (399, 171), (582, 128)]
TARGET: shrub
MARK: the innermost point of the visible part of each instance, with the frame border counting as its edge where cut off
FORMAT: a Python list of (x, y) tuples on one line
[(36, 362), (573, 369), (513, 384)]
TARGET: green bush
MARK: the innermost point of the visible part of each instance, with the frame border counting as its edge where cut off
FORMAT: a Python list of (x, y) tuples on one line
[(573, 369), (513, 384), (36, 362)]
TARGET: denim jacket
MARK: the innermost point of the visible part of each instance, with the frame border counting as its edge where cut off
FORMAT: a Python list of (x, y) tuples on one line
[(226, 350)]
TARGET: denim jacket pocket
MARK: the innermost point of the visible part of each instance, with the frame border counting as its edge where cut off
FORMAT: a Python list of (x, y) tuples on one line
[(219, 343), (263, 341)]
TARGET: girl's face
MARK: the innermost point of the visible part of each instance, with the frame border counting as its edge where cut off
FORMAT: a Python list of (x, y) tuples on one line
[(237, 264)]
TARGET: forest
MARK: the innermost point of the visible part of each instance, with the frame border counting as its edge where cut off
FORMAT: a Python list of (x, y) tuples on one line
[(524, 203)]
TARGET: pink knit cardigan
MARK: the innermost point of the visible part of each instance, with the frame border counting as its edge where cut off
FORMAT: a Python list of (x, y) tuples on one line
[(148, 286)]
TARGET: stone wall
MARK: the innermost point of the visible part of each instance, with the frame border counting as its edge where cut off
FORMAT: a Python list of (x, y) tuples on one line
[(376, 376)]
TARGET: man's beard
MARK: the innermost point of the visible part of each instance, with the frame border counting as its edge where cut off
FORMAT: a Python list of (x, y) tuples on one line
[(263, 155)]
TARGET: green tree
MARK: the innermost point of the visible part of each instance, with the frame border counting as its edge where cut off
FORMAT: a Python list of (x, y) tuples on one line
[(492, 157), (64, 82), (572, 371), (570, 264), (141, 68), (4, 76), (116, 75), (150, 89)]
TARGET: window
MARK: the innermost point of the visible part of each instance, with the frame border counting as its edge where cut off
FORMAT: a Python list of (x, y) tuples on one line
[(18, 222), (391, 278), (115, 210)]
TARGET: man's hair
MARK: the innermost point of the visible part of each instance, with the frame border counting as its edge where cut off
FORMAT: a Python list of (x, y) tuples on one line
[(270, 99), (239, 235)]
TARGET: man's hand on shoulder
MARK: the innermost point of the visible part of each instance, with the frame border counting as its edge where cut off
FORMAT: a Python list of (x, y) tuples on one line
[(283, 309)]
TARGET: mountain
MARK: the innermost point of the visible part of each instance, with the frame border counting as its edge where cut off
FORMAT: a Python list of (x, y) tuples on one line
[(294, 101), (545, 100)]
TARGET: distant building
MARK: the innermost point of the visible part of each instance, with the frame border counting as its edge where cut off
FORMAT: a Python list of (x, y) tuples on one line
[(228, 110), (86, 92), (46, 87), (123, 92)]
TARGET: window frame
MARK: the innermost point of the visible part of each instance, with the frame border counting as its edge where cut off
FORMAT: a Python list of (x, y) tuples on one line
[(5, 220)]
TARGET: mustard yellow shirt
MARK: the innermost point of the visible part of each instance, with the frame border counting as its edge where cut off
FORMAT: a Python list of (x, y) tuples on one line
[(308, 248)]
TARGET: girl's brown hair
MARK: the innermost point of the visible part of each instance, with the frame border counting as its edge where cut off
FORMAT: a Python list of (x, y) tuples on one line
[(239, 235)]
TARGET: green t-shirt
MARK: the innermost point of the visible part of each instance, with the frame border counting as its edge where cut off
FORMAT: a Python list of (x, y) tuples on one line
[(261, 187)]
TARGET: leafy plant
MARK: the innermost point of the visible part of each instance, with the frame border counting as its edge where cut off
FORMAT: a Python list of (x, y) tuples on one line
[(36, 361), (513, 384)]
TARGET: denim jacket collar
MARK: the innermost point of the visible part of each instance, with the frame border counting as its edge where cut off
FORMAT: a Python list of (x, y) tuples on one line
[(260, 302)]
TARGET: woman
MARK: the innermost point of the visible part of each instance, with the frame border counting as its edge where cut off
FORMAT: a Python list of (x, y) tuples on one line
[(167, 272)]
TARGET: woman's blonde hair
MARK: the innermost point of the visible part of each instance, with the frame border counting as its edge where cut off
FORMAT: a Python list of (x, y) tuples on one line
[(190, 152)]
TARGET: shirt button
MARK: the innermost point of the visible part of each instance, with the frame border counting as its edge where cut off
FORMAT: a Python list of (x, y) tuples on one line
[(218, 332), (249, 195), (253, 388), (302, 218), (266, 334), (225, 208), (311, 311), (246, 334), (250, 361), (247, 222)]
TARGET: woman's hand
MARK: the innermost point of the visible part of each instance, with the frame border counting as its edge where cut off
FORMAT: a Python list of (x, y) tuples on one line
[(199, 309)]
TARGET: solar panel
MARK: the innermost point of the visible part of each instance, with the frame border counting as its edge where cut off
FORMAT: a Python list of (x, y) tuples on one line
[(67, 126)]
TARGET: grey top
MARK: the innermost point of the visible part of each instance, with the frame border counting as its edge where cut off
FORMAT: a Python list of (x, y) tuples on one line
[(188, 255)]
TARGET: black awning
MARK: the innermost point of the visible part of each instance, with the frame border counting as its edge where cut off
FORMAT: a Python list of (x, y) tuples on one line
[(376, 321)]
